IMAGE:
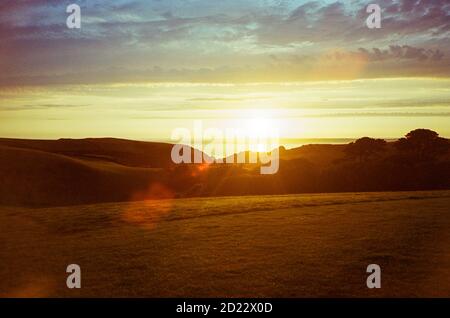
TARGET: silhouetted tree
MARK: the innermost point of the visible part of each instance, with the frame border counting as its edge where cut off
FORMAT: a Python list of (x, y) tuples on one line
[(424, 144), (364, 148)]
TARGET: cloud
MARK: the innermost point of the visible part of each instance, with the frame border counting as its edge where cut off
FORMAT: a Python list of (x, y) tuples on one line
[(379, 114), (402, 52), (40, 106), (195, 40)]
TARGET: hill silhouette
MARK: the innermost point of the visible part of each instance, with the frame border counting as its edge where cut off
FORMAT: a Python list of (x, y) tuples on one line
[(80, 171), (124, 152)]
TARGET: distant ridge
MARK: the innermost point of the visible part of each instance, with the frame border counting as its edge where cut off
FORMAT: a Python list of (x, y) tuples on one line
[(121, 151)]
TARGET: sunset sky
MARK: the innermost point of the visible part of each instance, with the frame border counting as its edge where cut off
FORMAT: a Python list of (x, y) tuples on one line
[(139, 69)]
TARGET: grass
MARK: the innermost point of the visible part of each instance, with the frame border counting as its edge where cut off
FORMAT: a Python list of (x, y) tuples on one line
[(262, 246)]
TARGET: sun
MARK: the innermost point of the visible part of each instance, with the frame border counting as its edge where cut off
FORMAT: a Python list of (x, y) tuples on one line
[(259, 127), (261, 132)]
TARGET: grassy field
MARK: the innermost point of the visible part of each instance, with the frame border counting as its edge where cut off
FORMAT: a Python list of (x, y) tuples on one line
[(274, 246)]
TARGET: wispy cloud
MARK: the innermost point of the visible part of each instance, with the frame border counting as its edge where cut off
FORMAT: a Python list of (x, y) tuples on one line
[(223, 41), (40, 106)]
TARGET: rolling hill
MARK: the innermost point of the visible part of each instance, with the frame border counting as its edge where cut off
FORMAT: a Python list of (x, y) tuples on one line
[(82, 171)]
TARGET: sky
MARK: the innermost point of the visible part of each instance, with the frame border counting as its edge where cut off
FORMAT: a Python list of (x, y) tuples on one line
[(138, 69)]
